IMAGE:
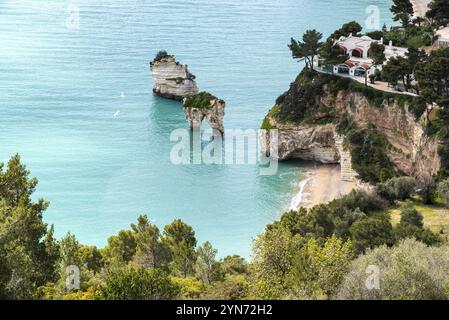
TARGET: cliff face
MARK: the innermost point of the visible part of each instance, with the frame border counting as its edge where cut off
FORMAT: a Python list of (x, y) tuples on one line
[(171, 79), (413, 152), (317, 136), (211, 109), (319, 143)]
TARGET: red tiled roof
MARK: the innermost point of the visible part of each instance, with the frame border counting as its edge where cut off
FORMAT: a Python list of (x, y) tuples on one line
[(349, 63), (366, 66)]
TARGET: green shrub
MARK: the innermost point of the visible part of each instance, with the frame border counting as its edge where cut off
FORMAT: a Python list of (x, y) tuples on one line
[(368, 155), (408, 271), (190, 288), (200, 100), (371, 232), (234, 287), (376, 35), (266, 125), (400, 188), (132, 283), (161, 55), (302, 100), (411, 225), (443, 191), (335, 217)]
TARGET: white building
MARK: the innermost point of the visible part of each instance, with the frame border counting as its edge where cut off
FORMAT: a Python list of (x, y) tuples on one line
[(443, 37), (359, 63), (357, 47)]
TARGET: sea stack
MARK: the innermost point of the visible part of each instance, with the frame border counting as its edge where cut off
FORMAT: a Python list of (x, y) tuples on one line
[(171, 79), (204, 106)]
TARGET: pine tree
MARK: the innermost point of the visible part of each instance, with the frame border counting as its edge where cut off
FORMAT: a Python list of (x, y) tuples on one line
[(308, 48)]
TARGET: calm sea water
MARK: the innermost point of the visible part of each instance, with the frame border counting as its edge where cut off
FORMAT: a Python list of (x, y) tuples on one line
[(60, 89)]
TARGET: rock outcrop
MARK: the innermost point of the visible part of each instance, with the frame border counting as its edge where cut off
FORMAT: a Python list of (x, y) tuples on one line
[(347, 172), (171, 79), (204, 106), (410, 150), (319, 143)]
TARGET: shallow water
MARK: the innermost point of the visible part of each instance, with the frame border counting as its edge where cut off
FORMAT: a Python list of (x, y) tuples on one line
[(60, 89)]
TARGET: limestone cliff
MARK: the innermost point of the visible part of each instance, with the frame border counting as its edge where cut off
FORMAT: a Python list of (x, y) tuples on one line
[(171, 79), (204, 106), (312, 115)]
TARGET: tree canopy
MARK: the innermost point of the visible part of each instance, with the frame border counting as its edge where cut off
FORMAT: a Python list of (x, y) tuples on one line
[(439, 12), (308, 48), (402, 11), (347, 29), (332, 54), (28, 251)]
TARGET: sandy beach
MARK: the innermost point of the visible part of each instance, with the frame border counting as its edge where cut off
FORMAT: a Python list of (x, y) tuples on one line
[(322, 184), (420, 7)]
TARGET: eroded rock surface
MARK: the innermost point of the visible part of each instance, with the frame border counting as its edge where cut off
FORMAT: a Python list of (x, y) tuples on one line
[(171, 79), (204, 106), (410, 150)]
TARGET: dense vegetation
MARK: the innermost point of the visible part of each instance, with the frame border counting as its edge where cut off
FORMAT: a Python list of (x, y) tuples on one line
[(302, 100), (297, 256), (161, 55), (307, 254), (200, 100), (139, 263), (368, 155)]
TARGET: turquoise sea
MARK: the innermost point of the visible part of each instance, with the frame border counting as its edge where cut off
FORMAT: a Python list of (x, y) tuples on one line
[(77, 105)]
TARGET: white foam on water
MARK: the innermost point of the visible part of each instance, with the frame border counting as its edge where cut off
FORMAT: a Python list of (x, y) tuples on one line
[(299, 197)]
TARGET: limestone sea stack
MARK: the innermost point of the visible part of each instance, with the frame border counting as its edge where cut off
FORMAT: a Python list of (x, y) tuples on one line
[(171, 79), (204, 106)]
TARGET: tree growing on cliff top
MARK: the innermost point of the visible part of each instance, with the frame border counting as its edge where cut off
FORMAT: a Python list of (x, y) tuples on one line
[(377, 53), (347, 29), (160, 55), (402, 11), (439, 12), (308, 48), (433, 75), (332, 54)]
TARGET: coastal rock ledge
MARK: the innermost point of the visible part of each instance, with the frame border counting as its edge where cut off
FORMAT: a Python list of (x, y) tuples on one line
[(171, 79), (204, 106), (318, 143), (373, 135)]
